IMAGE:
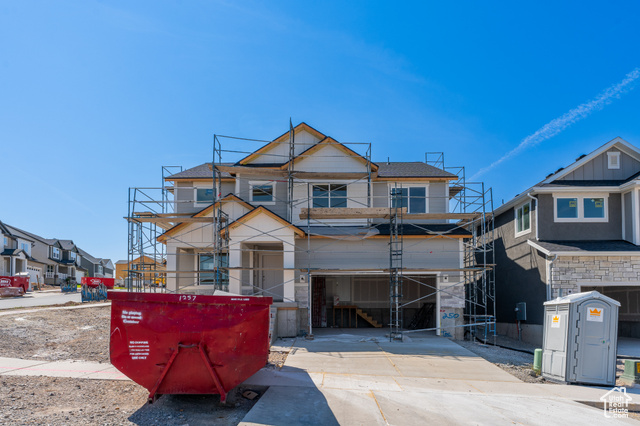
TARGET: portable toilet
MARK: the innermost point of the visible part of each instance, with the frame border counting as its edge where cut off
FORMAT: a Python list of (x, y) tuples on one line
[(580, 339)]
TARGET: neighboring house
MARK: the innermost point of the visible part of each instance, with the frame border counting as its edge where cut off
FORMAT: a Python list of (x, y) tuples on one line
[(49, 261), (38, 253), (577, 230), (15, 252), (96, 267), (272, 251), (107, 268)]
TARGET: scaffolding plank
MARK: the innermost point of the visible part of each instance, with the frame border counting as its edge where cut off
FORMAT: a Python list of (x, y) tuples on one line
[(346, 212), (170, 219), (244, 170), (441, 216)]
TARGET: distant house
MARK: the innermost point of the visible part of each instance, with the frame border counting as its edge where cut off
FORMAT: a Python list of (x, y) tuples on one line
[(150, 269), (96, 267), (15, 254), (47, 260), (576, 230)]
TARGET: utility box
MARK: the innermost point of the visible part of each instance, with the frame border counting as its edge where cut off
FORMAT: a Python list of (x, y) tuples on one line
[(521, 311), (580, 339)]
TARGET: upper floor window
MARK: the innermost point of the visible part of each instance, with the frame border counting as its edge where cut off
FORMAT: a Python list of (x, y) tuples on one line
[(262, 192), (414, 198), (6, 242), (204, 195), (99, 269), (523, 219), (55, 253), (613, 160), (330, 195), (580, 209), (26, 247), (72, 256)]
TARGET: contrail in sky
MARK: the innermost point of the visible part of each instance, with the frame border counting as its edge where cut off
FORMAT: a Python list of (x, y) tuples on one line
[(557, 125)]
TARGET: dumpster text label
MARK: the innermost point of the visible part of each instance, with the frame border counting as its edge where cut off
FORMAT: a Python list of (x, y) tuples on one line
[(131, 317), (138, 349)]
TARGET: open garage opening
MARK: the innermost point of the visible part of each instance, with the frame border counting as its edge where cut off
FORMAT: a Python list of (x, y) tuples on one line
[(353, 301)]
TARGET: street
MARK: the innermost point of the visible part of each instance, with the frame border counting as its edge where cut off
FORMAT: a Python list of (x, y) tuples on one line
[(45, 298)]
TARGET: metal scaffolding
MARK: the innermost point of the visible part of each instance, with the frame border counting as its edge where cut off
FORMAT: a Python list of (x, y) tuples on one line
[(154, 211)]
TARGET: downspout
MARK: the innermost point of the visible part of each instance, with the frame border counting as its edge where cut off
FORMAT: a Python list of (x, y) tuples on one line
[(535, 200)]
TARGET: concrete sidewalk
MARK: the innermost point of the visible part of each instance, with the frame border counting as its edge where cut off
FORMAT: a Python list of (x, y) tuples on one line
[(73, 369)]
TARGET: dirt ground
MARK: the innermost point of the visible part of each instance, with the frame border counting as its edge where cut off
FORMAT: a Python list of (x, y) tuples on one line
[(83, 334)]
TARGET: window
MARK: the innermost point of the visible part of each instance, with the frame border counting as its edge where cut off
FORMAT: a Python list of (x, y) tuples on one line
[(50, 269), (204, 195), (99, 269), (55, 253), (613, 160), (208, 263), (262, 192), (414, 198), (6, 243), (523, 219), (581, 208), (330, 195), (72, 256), (26, 247), (593, 207), (567, 208)]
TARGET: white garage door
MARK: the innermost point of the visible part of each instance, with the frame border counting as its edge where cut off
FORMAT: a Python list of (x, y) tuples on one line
[(35, 274)]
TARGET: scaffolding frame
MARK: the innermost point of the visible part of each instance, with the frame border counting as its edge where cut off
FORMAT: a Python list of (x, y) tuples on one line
[(470, 203)]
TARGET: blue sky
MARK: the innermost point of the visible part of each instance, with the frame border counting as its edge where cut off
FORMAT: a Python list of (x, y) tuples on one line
[(96, 96)]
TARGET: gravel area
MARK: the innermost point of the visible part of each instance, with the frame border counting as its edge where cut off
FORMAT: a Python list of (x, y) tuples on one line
[(83, 334), (63, 401), (516, 363), (53, 335)]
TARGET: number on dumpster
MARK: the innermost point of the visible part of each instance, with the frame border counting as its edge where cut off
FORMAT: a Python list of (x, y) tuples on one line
[(187, 298)]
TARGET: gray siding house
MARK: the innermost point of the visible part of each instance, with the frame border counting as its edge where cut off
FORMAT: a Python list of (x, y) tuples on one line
[(577, 230)]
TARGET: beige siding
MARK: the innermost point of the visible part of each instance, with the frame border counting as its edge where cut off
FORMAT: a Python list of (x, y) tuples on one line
[(331, 159), (280, 153), (433, 253)]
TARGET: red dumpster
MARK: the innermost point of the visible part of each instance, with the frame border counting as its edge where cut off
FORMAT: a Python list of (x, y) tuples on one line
[(94, 282), (13, 286), (188, 344)]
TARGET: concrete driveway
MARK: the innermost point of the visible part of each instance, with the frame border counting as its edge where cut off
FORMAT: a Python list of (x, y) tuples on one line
[(359, 377)]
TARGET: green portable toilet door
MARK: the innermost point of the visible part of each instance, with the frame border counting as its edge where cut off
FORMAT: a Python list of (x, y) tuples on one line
[(594, 342)]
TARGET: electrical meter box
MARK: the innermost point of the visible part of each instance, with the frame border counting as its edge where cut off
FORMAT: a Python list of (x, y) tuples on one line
[(580, 339)]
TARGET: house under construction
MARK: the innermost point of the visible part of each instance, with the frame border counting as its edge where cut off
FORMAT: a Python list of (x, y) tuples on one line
[(336, 239)]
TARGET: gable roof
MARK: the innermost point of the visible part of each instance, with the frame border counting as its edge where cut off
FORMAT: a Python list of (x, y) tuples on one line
[(281, 139), (87, 256), (227, 198), (263, 210), (552, 181), (329, 141), (27, 235), (627, 148)]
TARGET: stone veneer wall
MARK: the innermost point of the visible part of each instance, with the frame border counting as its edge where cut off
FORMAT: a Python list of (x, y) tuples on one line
[(568, 272)]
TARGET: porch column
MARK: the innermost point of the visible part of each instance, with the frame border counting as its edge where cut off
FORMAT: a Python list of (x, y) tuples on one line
[(172, 265), (288, 274), (12, 268), (235, 261)]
